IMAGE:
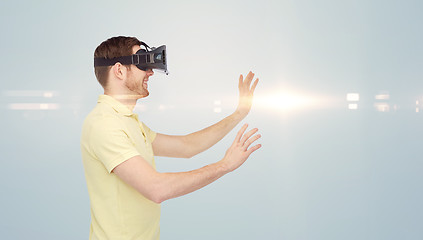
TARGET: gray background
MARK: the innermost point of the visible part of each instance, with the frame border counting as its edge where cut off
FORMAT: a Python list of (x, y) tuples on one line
[(324, 171)]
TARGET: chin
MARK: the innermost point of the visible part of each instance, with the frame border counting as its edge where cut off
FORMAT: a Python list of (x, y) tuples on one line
[(144, 94)]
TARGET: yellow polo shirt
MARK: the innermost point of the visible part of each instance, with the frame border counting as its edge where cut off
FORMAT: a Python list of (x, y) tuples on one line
[(112, 134)]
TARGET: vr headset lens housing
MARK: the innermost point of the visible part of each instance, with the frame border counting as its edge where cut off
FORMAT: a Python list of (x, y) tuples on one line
[(154, 59), (149, 58)]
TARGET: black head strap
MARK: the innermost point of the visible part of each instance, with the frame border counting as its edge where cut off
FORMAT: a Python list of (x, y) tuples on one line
[(126, 60)]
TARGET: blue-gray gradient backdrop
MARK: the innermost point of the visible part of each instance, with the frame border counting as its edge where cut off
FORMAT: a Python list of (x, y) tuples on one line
[(339, 105)]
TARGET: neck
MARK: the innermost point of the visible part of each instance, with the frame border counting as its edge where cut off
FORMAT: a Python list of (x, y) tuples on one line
[(128, 100)]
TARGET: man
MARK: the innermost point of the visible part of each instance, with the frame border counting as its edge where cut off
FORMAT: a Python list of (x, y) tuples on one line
[(118, 150)]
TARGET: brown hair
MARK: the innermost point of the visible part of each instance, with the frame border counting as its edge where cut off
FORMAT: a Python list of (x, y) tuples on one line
[(111, 48)]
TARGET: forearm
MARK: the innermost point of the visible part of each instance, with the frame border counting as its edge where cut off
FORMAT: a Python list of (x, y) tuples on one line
[(172, 185), (202, 140), (158, 187)]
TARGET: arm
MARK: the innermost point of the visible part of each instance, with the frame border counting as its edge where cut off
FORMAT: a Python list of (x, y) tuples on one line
[(192, 144), (159, 187)]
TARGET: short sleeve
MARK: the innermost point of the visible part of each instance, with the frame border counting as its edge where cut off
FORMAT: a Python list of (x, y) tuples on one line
[(151, 135), (110, 142)]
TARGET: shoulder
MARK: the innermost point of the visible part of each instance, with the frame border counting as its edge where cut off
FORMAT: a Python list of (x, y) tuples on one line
[(102, 114), (100, 122)]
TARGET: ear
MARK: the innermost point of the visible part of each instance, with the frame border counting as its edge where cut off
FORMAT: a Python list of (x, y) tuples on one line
[(119, 71)]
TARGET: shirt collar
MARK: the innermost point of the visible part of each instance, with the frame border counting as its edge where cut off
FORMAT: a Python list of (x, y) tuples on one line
[(115, 104)]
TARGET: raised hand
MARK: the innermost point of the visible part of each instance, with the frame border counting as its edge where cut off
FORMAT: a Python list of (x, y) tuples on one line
[(246, 92), (239, 151)]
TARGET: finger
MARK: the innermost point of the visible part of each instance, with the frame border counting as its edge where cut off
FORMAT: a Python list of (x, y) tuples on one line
[(249, 78), (253, 149), (240, 81), (248, 135), (250, 141), (240, 133), (254, 85)]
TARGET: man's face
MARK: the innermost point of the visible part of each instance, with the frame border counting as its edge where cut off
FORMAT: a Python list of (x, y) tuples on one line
[(137, 78)]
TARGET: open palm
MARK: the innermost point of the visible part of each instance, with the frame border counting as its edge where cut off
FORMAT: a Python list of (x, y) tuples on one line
[(246, 92)]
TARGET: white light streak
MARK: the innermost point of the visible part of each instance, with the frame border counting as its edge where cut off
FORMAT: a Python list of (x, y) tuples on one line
[(353, 106), (217, 109), (287, 100), (33, 106), (48, 94), (382, 107), (382, 97), (353, 97), (31, 93)]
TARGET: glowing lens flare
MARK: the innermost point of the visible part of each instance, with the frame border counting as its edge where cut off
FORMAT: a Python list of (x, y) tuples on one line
[(286, 101)]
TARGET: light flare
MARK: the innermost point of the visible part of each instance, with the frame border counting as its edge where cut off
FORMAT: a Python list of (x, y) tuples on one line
[(287, 100), (31, 93), (353, 97), (34, 106)]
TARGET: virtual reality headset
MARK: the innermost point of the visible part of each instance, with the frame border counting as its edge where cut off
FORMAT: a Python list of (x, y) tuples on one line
[(148, 58)]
